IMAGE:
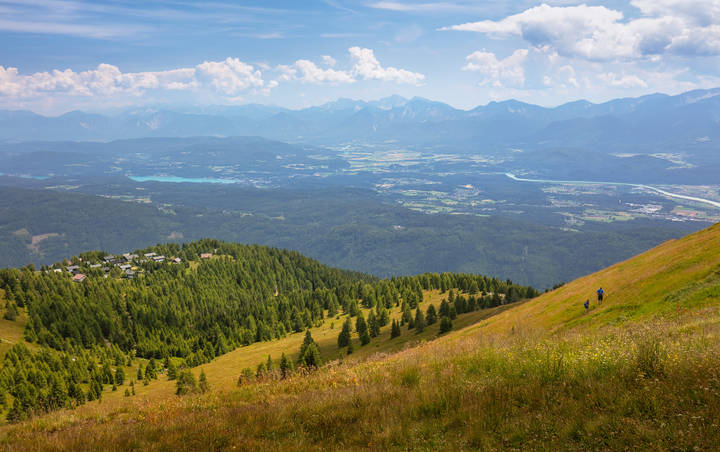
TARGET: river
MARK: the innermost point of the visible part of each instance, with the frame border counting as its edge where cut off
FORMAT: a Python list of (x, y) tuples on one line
[(626, 184)]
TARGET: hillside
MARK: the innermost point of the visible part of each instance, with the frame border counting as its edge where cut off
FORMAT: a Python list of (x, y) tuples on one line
[(80, 329), (346, 228), (640, 371)]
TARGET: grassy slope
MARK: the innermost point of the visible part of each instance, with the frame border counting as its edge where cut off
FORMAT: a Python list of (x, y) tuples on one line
[(640, 371), (679, 274), (223, 372), (11, 332)]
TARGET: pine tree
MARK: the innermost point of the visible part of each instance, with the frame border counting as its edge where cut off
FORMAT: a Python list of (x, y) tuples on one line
[(203, 384), (261, 371), (383, 317), (431, 315), (419, 321), (395, 329), (119, 376), (311, 358), (270, 365), (362, 329), (285, 366), (444, 308), (150, 370), (186, 383), (373, 325), (171, 371), (452, 313), (11, 311), (350, 348), (344, 336), (445, 324), (127, 392)]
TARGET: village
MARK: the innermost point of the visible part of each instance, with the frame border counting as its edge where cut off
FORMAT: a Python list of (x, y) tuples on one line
[(127, 265)]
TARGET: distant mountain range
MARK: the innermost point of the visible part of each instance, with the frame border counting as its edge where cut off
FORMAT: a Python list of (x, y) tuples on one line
[(687, 119)]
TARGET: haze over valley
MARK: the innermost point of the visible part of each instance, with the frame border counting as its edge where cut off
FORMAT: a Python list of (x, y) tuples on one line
[(359, 225)]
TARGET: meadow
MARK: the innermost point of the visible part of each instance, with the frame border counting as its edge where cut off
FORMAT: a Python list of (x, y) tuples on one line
[(641, 371)]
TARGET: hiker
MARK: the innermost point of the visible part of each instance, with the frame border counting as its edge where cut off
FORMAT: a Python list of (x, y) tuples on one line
[(600, 293), (587, 306)]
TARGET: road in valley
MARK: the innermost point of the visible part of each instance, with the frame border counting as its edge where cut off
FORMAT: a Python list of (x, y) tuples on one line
[(648, 187)]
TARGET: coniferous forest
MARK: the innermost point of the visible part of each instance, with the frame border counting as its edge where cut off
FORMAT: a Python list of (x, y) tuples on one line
[(189, 310)]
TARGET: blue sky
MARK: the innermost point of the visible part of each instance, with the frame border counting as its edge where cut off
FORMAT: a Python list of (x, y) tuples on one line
[(62, 55)]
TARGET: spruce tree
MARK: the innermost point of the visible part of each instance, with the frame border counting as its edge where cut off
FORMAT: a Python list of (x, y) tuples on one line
[(445, 324), (444, 308), (431, 315), (395, 329), (419, 321), (171, 371), (186, 383), (270, 365), (203, 384), (344, 336), (310, 353), (285, 366), (373, 325), (119, 376), (362, 330)]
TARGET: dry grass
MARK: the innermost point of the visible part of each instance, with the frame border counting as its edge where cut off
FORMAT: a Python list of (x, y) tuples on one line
[(640, 372), (648, 387)]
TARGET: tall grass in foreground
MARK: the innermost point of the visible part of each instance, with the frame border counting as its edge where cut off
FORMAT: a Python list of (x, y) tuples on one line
[(651, 386)]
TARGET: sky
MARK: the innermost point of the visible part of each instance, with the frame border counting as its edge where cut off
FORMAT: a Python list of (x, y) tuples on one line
[(63, 55)]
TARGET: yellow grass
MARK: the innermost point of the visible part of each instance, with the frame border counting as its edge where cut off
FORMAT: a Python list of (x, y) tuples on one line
[(639, 372)]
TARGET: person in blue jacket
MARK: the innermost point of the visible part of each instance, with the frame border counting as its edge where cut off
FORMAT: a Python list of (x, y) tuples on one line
[(587, 306), (600, 293)]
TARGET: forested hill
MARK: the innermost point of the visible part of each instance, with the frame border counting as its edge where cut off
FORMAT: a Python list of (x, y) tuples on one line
[(187, 304)]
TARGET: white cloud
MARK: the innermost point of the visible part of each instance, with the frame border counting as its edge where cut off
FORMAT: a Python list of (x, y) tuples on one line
[(498, 72), (229, 80), (430, 7), (367, 66), (569, 75), (622, 81), (230, 76), (308, 72), (699, 12), (364, 66), (598, 33)]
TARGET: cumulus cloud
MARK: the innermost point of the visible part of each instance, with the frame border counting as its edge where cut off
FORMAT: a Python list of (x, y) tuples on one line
[(623, 81), (226, 80), (364, 66), (308, 72), (509, 70), (367, 66), (599, 33), (228, 77)]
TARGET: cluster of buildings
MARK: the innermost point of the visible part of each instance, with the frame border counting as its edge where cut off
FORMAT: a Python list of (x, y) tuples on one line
[(126, 263)]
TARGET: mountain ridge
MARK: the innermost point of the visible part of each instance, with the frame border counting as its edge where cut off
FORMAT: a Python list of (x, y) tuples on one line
[(414, 120)]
